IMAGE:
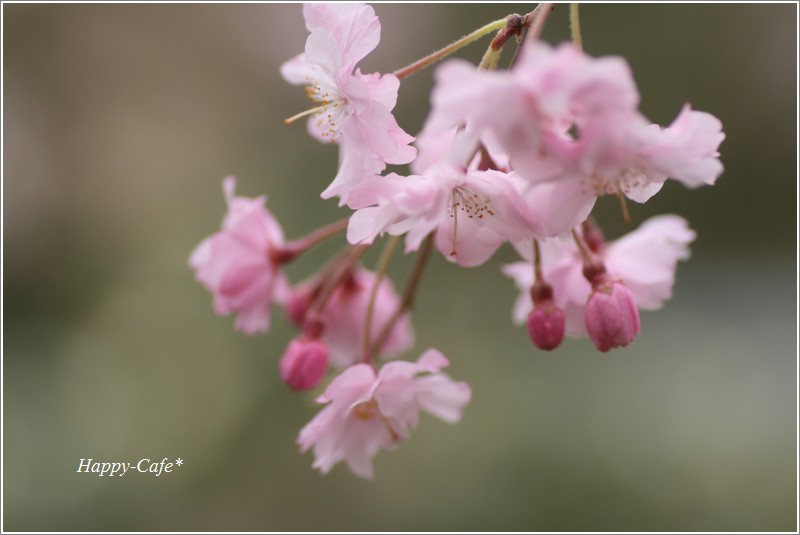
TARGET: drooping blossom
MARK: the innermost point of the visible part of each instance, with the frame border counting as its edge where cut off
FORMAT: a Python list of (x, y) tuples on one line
[(236, 264), (350, 108), (645, 260), (531, 107), (343, 318), (471, 206), (623, 153), (368, 412), (571, 127)]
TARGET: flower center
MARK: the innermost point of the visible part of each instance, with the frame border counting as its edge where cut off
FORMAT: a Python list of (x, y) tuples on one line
[(624, 180), (473, 204), (368, 410)]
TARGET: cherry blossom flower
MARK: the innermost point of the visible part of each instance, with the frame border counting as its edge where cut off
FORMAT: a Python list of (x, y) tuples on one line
[(368, 412), (471, 212), (235, 264), (645, 259), (531, 107), (343, 318), (350, 108), (624, 153), (570, 121)]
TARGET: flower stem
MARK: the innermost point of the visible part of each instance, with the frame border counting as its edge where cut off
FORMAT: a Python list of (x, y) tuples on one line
[(449, 49), (295, 248), (347, 261), (538, 16), (408, 295), (575, 25), (537, 261), (586, 256), (383, 264), (514, 26)]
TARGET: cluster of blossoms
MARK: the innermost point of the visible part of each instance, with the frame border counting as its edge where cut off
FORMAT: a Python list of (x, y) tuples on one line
[(519, 156)]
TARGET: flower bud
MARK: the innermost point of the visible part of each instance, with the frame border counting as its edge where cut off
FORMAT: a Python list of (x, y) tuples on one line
[(304, 363), (612, 318), (546, 325)]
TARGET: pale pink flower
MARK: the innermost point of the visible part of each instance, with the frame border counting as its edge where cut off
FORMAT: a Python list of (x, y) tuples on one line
[(624, 153), (235, 264), (351, 108), (344, 318), (570, 126), (645, 260), (471, 212), (369, 412), (531, 108)]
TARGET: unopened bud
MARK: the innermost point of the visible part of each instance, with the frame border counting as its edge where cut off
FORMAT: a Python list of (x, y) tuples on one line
[(612, 319), (304, 363), (546, 325)]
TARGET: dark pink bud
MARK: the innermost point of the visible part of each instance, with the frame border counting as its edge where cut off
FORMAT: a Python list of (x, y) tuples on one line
[(612, 318), (546, 325), (304, 363)]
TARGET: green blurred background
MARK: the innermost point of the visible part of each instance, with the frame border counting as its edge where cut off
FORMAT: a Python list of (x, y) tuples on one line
[(120, 122)]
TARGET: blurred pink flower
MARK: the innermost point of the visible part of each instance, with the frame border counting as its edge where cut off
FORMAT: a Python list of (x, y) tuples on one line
[(369, 412), (570, 125), (344, 319), (235, 265), (645, 260), (351, 108), (624, 153), (531, 107)]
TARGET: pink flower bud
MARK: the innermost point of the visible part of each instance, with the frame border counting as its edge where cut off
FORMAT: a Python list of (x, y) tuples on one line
[(304, 363), (546, 325), (612, 318)]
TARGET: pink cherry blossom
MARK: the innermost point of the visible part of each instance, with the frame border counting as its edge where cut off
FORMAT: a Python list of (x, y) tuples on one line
[(351, 108), (624, 153), (645, 259), (343, 319), (235, 265), (368, 412), (531, 107), (471, 212), (571, 121)]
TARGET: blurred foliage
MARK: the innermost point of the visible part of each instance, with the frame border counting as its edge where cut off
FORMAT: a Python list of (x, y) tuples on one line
[(120, 122)]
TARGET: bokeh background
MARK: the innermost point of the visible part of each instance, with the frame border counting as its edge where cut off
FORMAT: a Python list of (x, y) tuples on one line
[(120, 122)]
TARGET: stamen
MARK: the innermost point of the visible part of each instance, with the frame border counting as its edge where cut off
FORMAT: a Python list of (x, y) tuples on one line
[(302, 114), (474, 205), (454, 215), (626, 216)]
